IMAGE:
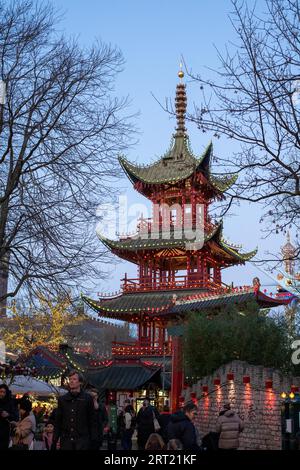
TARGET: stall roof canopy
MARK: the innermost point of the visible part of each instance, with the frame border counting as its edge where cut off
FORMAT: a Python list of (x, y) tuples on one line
[(122, 376), (25, 384)]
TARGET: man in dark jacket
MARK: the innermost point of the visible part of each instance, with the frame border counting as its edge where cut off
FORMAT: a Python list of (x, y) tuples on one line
[(145, 422), (74, 420), (181, 426), (8, 412)]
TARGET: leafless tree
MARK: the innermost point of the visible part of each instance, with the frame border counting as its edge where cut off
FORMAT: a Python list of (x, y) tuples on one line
[(61, 128), (253, 98)]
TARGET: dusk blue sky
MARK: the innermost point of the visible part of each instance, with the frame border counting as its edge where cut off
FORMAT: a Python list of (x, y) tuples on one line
[(153, 35)]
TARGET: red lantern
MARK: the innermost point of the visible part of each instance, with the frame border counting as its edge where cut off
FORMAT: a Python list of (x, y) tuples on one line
[(246, 379), (269, 383), (217, 381), (230, 376), (193, 395), (205, 388), (294, 389)]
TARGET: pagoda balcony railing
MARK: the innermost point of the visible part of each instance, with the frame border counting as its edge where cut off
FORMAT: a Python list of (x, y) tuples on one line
[(147, 227), (151, 226), (178, 282), (134, 349)]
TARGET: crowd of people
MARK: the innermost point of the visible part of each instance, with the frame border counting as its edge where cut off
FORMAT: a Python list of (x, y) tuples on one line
[(79, 423)]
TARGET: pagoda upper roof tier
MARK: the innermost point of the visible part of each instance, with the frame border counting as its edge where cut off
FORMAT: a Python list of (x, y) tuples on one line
[(168, 306), (177, 240), (177, 165)]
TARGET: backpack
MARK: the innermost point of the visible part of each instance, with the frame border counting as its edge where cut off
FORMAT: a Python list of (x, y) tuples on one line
[(133, 419)]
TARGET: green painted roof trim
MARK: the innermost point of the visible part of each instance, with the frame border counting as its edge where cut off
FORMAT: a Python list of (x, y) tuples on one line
[(133, 244), (178, 164), (241, 256), (139, 302)]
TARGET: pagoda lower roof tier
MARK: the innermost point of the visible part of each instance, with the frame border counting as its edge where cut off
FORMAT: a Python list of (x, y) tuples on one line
[(126, 248), (168, 306)]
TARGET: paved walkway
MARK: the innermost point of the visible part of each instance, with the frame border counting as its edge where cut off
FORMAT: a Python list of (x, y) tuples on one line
[(39, 445)]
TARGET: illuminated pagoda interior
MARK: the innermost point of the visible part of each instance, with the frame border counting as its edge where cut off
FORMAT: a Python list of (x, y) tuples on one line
[(180, 252)]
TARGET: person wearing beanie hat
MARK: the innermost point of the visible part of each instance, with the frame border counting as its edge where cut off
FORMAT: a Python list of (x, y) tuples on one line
[(25, 428)]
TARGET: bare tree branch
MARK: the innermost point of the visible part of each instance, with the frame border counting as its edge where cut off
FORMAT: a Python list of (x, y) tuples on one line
[(61, 131), (254, 99)]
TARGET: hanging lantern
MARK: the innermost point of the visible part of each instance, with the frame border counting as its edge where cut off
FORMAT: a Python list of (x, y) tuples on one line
[(230, 376), (269, 384), (217, 381), (205, 388), (246, 379)]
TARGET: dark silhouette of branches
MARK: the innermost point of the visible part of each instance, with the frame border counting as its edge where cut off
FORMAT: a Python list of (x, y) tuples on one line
[(253, 98), (61, 128)]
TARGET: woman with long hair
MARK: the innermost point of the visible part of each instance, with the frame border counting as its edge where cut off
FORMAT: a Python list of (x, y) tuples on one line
[(155, 442)]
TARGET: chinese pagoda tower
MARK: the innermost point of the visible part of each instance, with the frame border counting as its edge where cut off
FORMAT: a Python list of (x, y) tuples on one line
[(180, 252)]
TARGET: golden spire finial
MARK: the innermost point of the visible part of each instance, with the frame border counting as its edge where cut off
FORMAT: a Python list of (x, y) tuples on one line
[(180, 105), (180, 73)]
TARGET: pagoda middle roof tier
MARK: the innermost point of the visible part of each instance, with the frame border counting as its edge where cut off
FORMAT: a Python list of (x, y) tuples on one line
[(170, 305), (176, 240), (176, 165)]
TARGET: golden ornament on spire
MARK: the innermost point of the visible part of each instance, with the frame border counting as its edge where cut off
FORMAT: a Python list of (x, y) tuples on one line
[(180, 73)]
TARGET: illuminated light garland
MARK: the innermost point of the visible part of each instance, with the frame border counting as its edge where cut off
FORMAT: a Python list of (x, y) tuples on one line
[(6, 369)]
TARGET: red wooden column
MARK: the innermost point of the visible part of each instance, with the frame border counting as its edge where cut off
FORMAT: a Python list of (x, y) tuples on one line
[(216, 275), (155, 214), (153, 335), (188, 269), (177, 372), (140, 334), (193, 209), (205, 214), (183, 211), (150, 273), (205, 273), (161, 337)]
